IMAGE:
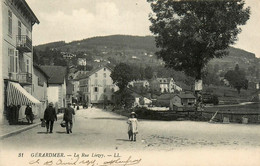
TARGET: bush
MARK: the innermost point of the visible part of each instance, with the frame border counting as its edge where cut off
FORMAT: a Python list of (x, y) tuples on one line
[(143, 112), (161, 103)]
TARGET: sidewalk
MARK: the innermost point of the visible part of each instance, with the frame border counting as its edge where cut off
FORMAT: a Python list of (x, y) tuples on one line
[(7, 130)]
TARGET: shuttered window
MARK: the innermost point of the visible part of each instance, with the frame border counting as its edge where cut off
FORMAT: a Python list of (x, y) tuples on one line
[(10, 23), (12, 60)]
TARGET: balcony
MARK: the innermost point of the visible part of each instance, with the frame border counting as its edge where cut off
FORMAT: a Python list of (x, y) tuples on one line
[(25, 78), (23, 43), (12, 76)]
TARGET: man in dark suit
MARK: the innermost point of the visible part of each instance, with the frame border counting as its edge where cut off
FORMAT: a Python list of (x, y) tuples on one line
[(50, 115), (29, 114), (68, 113)]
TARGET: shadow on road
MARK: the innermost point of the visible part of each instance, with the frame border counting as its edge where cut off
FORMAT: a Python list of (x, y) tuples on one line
[(21, 123), (61, 132), (124, 140), (41, 132), (110, 118)]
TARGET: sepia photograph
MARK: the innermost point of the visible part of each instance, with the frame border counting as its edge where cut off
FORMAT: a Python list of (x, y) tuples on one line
[(130, 82)]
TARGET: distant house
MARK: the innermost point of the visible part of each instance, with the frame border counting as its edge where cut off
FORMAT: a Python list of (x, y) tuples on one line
[(97, 85), (168, 85), (225, 81), (253, 85), (57, 85), (183, 99), (139, 83), (164, 100)]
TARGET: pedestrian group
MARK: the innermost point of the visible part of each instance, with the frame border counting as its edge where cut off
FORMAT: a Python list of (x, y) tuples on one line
[(50, 116)]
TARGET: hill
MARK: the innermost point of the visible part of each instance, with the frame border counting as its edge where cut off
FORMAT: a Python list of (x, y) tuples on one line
[(138, 50)]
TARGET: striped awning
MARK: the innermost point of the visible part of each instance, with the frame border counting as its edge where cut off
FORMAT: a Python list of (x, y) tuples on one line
[(17, 95)]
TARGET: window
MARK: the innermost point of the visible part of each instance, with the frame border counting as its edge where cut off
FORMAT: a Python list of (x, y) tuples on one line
[(11, 60), (104, 82), (105, 90), (96, 75), (113, 90), (105, 69), (96, 98), (16, 61), (96, 89), (105, 75), (40, 82), (10, 24), (19, 29), (96, 82), (27, 66)]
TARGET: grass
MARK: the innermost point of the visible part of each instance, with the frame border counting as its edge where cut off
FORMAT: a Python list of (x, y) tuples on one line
[(246, 109), (228, 95)]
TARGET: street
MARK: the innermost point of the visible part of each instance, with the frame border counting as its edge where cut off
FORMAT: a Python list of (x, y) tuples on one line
[(96, 129)]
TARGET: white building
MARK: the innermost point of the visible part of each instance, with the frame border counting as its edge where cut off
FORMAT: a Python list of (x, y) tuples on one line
[(97, 85), (168, 85), (56, 90), (17, 20)]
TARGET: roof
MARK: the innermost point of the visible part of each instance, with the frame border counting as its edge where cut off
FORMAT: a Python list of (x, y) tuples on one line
[(29, 10), (81, 75), (166, 96), (95, 70), (186, 96), (168, 80), (57, 74), (177, 104), (40, 70), (183, 85)]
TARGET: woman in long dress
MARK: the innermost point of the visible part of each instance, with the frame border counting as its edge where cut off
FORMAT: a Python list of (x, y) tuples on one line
[(132, 126)]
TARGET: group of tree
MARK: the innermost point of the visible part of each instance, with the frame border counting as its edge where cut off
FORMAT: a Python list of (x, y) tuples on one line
[(237, 78), (210, 75), (49, 57), (254, 71)]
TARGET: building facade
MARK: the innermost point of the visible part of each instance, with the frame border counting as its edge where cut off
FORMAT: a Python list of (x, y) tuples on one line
[(56, 90), (16, 49), (97, 86), (167, 85), (39, 89)]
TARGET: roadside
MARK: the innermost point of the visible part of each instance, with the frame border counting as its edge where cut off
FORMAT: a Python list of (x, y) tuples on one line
[(95, 129), (7, 130)]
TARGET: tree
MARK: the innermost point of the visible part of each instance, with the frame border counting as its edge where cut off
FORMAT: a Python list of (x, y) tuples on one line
[(148, 72), (237, 78), (191, 33), (122, 75), (210, 75)]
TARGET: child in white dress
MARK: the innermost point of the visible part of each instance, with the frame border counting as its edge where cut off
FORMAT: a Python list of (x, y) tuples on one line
[(132, 126)]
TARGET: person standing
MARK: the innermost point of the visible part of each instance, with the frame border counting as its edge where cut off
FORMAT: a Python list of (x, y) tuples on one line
[(67, 117), (132, 128), (29, 114), (50, 115)]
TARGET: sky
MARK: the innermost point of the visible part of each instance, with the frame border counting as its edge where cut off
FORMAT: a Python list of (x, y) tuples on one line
[(69, 20)]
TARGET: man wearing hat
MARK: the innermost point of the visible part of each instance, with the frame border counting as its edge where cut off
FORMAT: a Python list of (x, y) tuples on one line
[(50, 115), (67, 117)]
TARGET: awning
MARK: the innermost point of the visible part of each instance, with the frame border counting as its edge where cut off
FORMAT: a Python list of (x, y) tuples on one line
[(17, 95)]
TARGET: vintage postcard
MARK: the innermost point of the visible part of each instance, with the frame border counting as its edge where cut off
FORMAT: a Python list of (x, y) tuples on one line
[(130, 82)]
